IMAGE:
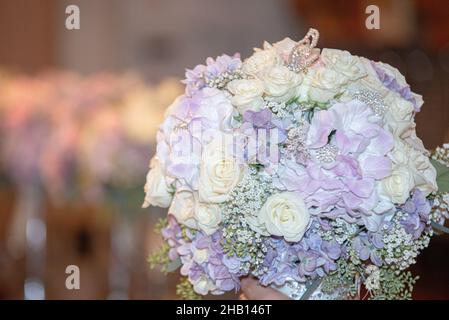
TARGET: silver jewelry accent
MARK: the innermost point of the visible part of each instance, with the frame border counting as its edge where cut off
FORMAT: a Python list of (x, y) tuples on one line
[(221, 81), (327, 153), (295, 290), (276, 107), (373, 99), (296, 143), (304, 53)]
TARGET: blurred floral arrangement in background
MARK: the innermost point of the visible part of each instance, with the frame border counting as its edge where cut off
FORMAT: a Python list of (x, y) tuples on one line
[(71, 141), (79, 137)]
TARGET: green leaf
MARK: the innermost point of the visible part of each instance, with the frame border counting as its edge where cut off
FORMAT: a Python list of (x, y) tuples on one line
[(442, 176), (173, 265), (338, 95), (292, 101), (238, 118)]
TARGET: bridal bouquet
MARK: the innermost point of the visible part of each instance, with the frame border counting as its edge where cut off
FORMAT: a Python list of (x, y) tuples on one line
[(301, 168)]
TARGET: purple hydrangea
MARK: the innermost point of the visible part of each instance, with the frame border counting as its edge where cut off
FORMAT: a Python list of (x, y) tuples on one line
[(309, 258), (210, 264), (191, 123), (367, 245), (317, 256), (196, 78), (390, 82), (418, 209), (280, 263), (172, 233), (347, 183)]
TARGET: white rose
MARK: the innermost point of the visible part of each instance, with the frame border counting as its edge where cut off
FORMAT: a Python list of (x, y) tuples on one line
[(219, 171), (259, 61), (183, 208), (247, 94), (208, 217), (285, 214), (325, 84), (343, 62), (415, 142), (417, 163), (424, 172), (399, 108), (371, 80), (418, 100), (398, 186), (200, 255), (284, 48), (398, 154), (399, 116), (157, 192), (281, 83)]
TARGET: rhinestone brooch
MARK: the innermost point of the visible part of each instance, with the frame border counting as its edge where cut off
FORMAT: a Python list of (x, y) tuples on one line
[(373, 100), (304, 54)]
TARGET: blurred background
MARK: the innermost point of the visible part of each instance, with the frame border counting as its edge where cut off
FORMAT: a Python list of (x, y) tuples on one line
[(79, 110)]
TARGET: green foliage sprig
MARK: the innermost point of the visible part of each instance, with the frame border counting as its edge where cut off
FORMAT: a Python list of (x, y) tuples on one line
[(184, 289), (394, 285)]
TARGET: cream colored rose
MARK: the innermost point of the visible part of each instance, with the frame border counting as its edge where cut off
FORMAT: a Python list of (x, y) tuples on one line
[(399, 116), (219, 171), (417, 163), (247, 94), (183, 208), (285, 214), (259, 61), (157, 192), (398, 186), (399, 108), (398, 153), (371, 80), (418, 100), (208, 217), (424, 172), (325, 84), (281, 83), (414, 142), (343, 62), (284, 48)]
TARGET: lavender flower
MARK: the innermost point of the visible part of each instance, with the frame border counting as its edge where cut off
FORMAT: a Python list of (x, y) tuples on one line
[(417, 210), (309, 258), (366, 246), (280, 263), (316, 256), (203, 262), (390, 82), (198, 77), (172, 233)]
